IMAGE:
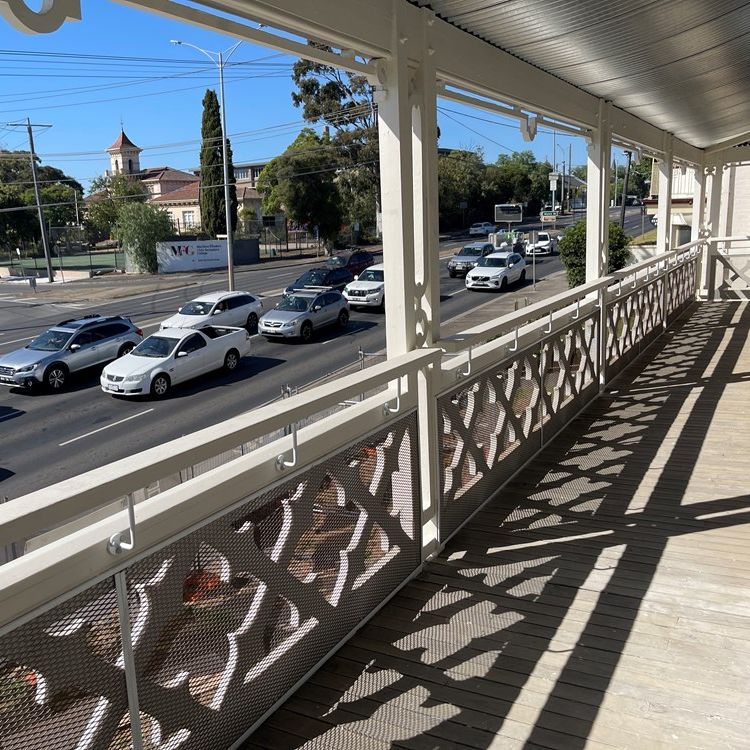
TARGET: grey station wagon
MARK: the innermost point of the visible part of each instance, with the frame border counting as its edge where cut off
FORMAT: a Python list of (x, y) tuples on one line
[(67, 347)]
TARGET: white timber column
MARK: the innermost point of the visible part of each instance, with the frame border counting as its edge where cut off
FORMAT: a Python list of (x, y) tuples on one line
[(597, 200), (425, 174), (664, 206), (714, 172), (699, 203), (726, 216), (396, 188)]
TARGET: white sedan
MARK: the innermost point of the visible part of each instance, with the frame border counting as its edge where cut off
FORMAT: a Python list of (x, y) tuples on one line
[(174, 355), (481, 229), (219, 309), (496, 271)]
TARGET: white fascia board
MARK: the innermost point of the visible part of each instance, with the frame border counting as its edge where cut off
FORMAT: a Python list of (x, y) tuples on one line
[(731, 155)]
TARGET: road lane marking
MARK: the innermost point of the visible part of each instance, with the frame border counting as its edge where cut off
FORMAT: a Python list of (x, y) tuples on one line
[(16, 341), (280, 275), (272, 293), (453, 294), (106, 427), (157, 301)]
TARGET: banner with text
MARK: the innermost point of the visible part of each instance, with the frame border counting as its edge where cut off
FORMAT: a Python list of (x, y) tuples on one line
[(194, 255)]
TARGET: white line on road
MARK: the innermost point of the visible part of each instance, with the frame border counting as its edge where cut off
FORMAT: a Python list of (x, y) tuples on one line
[(106, 427), (280, 275), (17, 341), (272, 293), (157, 301)]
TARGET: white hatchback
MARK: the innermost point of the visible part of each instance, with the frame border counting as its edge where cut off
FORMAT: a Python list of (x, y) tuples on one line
[(496, 271), (218, 309)]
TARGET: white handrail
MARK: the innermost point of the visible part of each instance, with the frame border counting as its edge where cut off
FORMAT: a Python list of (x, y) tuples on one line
[(49, 507)]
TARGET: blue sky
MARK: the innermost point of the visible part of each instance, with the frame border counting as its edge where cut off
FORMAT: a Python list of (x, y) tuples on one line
[(159, 101)]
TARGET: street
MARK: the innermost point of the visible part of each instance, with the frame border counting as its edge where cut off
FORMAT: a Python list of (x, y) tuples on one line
[(51, 437)]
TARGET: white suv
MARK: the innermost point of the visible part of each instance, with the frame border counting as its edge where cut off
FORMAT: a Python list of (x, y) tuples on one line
[(367, 289), (219, 309), (481, 229)]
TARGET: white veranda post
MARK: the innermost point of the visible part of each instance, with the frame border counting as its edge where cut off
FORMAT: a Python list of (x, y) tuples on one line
[(597, 211), (664, 206)]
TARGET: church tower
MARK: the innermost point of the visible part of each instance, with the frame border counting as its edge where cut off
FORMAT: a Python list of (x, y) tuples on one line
[(124, 156)]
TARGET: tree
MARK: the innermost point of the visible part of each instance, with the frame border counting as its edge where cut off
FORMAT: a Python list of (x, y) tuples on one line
[(138, 228), (572, 248), (344, 102), (213, 205), (301, 182), (106, 197), (460, 176)]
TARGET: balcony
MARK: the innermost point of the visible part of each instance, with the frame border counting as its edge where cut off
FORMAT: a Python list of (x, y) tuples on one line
[(530, 534)]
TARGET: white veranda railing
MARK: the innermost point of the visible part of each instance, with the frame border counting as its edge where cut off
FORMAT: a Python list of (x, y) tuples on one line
[(228, 588)]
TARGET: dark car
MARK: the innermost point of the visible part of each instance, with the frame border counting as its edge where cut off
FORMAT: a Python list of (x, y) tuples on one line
[(335, 278), (354, 261)]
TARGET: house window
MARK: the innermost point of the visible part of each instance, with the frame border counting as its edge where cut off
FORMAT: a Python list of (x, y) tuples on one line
[(130, 166), (240, 174), (188, 218)]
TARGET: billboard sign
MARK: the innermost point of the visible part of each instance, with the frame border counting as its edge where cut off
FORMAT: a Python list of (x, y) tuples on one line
[(508, 213), (196, 255)]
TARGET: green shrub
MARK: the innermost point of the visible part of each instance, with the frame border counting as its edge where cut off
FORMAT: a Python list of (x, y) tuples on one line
[(572, 248)]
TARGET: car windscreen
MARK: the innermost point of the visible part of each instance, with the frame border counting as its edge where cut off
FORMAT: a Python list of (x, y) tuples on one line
[(337, 261), (196, 307), (369, 275), (492, 262), (543, 237), (50, 341), (155, 346), (473, 252), (313, 277), (294, 303)]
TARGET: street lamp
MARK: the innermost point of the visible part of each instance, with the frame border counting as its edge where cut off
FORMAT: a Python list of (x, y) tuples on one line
[(219, 59)]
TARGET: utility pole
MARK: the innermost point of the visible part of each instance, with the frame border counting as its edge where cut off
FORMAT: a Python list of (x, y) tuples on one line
[(629, 154), (39, 210)]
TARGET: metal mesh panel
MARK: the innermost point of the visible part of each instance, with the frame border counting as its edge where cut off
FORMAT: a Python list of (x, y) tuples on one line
[(62, 684), (682, 281), (569, 363), (228, 618), (490, 427), (631, 321)]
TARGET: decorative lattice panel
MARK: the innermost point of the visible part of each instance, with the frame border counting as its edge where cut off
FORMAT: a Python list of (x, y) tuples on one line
[(569, 364), (490, 426), (62, 681), (632, 319), (229, 618), (681, 291)]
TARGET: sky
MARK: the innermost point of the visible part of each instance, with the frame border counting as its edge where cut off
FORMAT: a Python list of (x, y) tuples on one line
[(76, 81)]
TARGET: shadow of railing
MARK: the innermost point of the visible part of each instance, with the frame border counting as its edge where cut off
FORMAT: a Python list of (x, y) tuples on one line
[(519, 627)]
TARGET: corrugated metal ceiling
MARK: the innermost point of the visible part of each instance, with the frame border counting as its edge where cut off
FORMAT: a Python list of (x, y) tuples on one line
[(682, 65)]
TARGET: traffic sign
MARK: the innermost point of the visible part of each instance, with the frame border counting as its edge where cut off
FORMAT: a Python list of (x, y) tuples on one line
[(510, 213)]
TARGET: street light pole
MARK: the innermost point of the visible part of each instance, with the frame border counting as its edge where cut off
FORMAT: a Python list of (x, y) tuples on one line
[(218, 59)]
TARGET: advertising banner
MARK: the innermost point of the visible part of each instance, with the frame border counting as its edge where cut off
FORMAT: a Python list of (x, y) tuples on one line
[(174, 257)]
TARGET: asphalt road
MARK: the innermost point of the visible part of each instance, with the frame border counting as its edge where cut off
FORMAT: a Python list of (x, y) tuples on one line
[(51, 437)]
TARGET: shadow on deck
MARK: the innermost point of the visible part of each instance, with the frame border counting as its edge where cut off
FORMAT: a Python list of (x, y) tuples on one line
[(598, 601)]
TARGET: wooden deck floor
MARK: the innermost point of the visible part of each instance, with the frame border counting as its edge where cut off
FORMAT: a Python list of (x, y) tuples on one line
[(601, 601)]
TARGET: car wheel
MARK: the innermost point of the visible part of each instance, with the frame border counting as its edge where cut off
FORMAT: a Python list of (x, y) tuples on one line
[(56, 376), (126, 349), (381, 306), (231, 360), (344, 319), (522, 277), (504, 284), (252, 322), (305, 333), (160, 385)]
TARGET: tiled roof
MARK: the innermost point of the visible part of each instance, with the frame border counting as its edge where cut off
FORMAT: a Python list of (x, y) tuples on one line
[(122, 142), (189, 193), (165, 173)]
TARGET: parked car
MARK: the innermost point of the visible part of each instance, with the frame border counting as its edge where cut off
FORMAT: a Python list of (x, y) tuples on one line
[(497, 271), (172, 356), (481, 229), (367, 289), (333, 278), (69, 346), (355, 261), (467, 257), (306, 310), (218, 308), (544, 245)]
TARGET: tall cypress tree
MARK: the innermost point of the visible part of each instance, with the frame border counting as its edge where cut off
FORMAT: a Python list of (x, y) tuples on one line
[(213, 218)]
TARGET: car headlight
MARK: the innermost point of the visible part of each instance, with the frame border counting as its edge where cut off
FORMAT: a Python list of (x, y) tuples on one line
[(132, 378), (27, 368)]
